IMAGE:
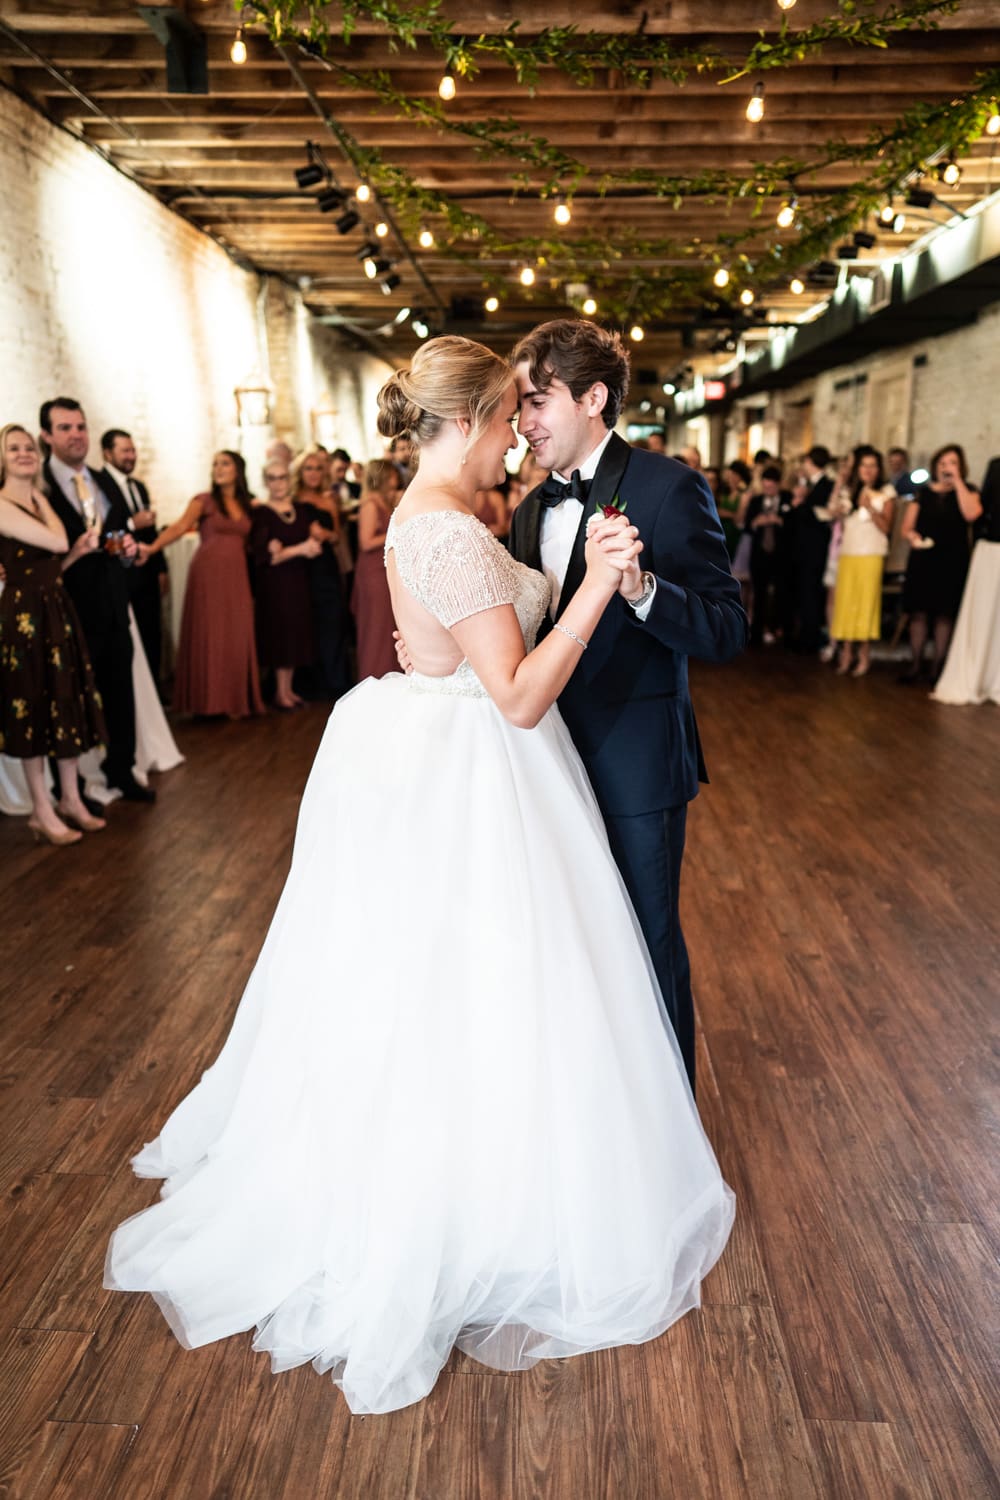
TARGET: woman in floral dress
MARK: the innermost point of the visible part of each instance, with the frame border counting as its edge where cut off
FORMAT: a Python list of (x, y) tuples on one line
[(48, 702)]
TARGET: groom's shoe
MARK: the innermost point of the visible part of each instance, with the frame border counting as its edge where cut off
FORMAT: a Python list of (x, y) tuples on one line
[(132, 791)]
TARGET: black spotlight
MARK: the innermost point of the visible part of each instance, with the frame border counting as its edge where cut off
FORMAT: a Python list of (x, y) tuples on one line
[(863, 240), (309, 176), (847, 251), (368, 251), (330, 199), (390, 283), (348, 221), (919, 198)]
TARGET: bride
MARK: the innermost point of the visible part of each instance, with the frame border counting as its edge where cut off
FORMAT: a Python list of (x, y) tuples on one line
[(475, 1130)]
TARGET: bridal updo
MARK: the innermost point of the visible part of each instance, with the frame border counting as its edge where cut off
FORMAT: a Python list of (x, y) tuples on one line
[(448, 378)]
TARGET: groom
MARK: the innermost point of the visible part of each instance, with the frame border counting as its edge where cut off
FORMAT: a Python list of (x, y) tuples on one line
[(627, 705)]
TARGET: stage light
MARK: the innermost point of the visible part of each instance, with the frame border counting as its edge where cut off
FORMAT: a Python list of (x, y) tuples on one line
[(390, 283), (589, 307), (491, 304), (669, 389), (348, 220), (401, 316), (919, 198), (527, 276), (951, 172), (381, 229), (847, 251), (368, 251), (796, 287), (721, 278), (864, 240), (420, 328), (786, 214), (887, 213), (755, 105), (446, 88), (238, 51), (330, 200), (370, 267), (899, 224), (746, 297), (425, 239), (562, 213), (636, 334), (309, 176)]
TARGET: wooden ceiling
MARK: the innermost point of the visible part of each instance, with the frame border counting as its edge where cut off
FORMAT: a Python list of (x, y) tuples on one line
[(226, 160)]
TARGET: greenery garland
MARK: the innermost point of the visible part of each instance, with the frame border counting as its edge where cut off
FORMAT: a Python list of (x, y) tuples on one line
[(892, 156)]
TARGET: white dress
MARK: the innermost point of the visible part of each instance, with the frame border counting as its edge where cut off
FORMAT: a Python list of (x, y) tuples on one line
[(469, 1124)]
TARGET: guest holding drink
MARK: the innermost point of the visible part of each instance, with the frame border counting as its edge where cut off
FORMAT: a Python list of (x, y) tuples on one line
[(49, 705), (217, 656), (937, 525), (867, 505), (311, 488), (370, 602), (283, 547)]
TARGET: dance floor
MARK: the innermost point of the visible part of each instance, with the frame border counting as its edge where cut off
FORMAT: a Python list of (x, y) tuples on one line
[(842, 913)]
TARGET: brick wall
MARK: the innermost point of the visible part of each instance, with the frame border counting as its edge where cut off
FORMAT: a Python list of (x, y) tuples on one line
[(107, 296)]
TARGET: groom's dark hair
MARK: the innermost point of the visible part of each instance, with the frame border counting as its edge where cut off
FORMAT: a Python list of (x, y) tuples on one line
[(580, 354)]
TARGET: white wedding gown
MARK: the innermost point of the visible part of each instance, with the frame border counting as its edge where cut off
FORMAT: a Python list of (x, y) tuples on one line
[(451, 1110)]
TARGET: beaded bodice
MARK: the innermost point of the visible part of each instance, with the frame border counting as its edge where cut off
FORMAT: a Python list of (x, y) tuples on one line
[(455, 567)]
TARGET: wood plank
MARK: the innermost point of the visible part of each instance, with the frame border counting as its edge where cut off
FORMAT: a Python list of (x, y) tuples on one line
[(72, 1460), (36, 1367)]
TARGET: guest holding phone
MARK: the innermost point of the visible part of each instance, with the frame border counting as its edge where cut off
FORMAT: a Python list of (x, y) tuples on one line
[(937, 525)]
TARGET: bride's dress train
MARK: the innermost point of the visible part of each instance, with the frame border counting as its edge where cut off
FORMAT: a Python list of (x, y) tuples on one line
[(469, 1123)]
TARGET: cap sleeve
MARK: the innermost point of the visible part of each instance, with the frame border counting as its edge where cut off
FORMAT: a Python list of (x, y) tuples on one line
[(454, 566)]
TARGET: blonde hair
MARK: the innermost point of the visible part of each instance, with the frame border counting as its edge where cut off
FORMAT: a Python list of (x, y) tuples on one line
[(378, 471), (5, 433), (448, 378), (295, 471)]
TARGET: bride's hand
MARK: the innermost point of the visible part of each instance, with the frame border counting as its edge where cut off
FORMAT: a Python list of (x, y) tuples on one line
[(612, 547)]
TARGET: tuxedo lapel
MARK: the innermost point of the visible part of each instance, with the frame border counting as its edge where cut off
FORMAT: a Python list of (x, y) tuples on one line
[(529, 544), (603, 489)]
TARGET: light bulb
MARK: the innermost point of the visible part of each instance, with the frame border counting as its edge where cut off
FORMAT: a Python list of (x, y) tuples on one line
[(446, 88), (636, 334), (491, 304), (952, 174), (370, 268), (786, 4), (426, 239), (746, 297), (899, 224), (589, 307), (420, 328), (786, 215), (993, 123), (238, 51), (887, 213), (562, 212), (363, 193), (381, 229), (527, 277), (669, 389), (721, 277), (755, 105), (796, 287)]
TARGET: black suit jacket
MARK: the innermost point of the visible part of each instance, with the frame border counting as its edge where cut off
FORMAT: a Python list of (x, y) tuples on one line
[(147, 534), (97, 583), (627, 705), (810, 534)]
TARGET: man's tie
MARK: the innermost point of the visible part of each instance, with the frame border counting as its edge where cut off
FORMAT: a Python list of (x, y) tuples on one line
[(554, 492), (85, 499), (134, 498)]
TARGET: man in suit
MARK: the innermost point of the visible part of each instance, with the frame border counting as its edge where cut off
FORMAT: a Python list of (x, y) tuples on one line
[(149, 583), (91, 508), (627, 705), (808, 542)]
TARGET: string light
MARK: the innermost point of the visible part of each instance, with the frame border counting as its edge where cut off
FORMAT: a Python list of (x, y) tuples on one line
[(446, 88), (721, 277), (589, 307), (755, 105), (492, 304), (363, 192), (993, 123), (899, 224), (796, 287), (562, 213), (527, 276), (951, 172), (636, 334), (420, 328), (746, 297), (669, 389), (786, 4), (238, 51), (381, 229), (786, 214), (887, 213), (425, 239)]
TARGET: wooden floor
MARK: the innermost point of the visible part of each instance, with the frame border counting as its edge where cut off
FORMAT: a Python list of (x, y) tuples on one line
[(842, 911)]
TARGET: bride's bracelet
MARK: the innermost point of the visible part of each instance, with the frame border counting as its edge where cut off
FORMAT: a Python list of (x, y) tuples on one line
[(571, 633)]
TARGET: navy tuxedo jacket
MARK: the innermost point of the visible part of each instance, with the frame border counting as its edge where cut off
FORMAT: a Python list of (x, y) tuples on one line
[(97, 583), (627, 705), (157, 564)]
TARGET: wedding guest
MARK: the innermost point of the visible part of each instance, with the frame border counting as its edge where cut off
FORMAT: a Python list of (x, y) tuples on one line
[(146, 585), (217, 656), (692, 457), (279, 451), (85, 501), (766, 518), (656, 442), (936, 524), (867, 507), (898, 472), (370, 601), (283, 546), (808, 548), (401, 454), (48, 701), (491, 509), (732, 501), (311, 488)]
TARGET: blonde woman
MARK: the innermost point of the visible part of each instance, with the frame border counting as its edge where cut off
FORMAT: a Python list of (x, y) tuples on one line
[(441, 1120), (370, 602), (48, 702), (327, 584)]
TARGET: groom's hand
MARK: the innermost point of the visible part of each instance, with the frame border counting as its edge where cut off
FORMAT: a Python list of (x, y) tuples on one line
[(402, 655)]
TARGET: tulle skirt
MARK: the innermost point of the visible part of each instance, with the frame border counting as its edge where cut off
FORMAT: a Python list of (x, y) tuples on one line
[(450, 1110)]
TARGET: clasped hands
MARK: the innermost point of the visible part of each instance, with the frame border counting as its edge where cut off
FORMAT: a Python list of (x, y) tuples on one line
[(612, 553)]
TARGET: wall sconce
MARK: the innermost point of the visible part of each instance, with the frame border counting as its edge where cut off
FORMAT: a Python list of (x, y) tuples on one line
[(253, 400), (323, 421)]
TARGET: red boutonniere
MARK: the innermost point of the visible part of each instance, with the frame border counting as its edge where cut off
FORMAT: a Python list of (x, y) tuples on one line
[(615, 507)]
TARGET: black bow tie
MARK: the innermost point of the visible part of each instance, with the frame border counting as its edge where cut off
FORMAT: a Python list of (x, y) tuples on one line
[(554, 492)]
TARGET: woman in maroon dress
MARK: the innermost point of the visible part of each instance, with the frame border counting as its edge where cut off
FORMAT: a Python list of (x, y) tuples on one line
[(370, 600), (283, 545), (217, 657)]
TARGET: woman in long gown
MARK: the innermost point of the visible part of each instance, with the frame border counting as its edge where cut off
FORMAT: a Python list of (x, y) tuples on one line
[(370, 602), (283, 547), (217, 669), (475, 1129)]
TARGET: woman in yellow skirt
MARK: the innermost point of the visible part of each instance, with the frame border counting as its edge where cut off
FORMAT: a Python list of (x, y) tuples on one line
[(867, 504)]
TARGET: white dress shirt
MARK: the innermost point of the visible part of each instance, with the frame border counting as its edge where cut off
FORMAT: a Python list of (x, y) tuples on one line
[(65, 478), (558, 529), (133, 499)]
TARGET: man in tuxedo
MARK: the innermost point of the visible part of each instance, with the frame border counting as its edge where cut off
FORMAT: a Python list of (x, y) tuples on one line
[(91, 508), (808, 542), (146, 584), (627, 705)]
